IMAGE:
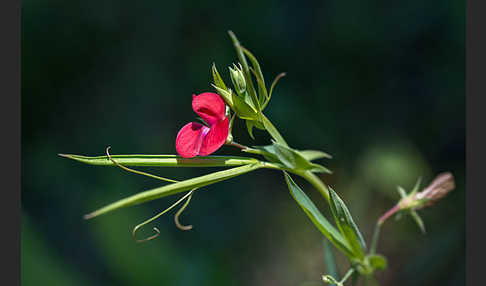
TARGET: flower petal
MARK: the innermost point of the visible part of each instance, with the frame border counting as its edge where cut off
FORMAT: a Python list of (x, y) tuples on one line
[(215, 138), (190, 138), (210, 106)]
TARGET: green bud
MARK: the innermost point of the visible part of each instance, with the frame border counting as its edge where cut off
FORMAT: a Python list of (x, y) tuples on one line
[(238, 78)]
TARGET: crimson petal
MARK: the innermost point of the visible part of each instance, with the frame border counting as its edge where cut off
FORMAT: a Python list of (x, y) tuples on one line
[(210, 107), (190, 138), (215, 138)]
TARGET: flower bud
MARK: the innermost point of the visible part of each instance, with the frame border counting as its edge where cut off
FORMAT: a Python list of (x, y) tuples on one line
[(238, 78), (440, 186)]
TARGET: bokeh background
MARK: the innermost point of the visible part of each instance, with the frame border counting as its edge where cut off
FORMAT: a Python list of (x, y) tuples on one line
[(378, 84)]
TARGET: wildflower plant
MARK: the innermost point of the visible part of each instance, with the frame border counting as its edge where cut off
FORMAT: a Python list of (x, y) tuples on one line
[(247, 100)]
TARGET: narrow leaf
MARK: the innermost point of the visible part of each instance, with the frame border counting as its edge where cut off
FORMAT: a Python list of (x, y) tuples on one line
[(259, 76), (291, 158), (316, 217), (175, 188), (246, 70), (314, 154), (164, 160), (218, 81), (346, 225), (249, 127)]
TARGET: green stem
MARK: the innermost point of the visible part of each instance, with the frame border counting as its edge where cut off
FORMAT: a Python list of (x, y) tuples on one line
[(315, 181), (374, 240), (349, 273)]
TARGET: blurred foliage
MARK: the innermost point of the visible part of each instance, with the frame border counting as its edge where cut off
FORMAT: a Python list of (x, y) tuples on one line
[(379, 85)]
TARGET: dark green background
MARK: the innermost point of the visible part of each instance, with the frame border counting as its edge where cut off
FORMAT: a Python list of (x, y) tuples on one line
[(378, 84)]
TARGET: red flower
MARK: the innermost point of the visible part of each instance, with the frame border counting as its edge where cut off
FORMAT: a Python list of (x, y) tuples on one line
[(197, 139)]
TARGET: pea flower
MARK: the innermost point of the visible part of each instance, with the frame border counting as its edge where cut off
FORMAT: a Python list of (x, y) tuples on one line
[(196, 139)]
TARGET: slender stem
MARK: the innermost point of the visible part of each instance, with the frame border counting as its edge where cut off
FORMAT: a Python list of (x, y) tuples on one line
[(374, 240), (350, 271), (388, 214), (316, 182), (380, 221), (238, 145)]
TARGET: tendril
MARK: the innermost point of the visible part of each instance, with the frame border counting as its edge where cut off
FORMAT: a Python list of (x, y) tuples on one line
[(134, 231), (179, 212), (136, 171), (176, 216)]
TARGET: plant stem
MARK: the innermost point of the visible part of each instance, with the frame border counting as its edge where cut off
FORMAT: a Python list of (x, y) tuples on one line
[(350, 271), (238, 145), (389, 213), (315, 181), (374, 240)]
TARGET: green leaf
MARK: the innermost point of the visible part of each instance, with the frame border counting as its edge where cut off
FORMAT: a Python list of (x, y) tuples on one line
[(218, 81), (175, 188), (377, 261), (290, 158), (242, 109), (316, 217), (164, 160), (314, 154), (249, 127), (272, 130), (227, 95), (346, 225), (262, 90), (246, 71)]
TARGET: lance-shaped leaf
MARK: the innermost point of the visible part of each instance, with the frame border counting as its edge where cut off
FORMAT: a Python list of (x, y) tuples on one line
[(290, 158), (218, 81), (246, 71), (262, 90), (314, 154), (316, 217), (164, 160), (175, 188), (346, 225)]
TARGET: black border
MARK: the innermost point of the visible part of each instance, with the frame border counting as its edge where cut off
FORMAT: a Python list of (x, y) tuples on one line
[(10, 24), (10, 12), (475, 140)]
